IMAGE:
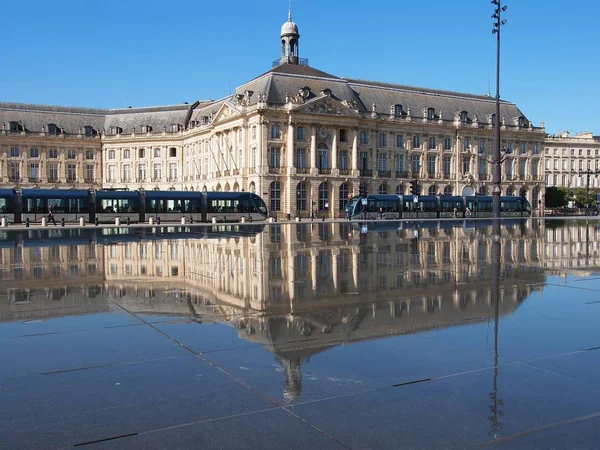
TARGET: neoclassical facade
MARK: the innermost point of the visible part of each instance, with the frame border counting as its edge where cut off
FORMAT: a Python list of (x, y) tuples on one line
[(569, 158), (303, 139)]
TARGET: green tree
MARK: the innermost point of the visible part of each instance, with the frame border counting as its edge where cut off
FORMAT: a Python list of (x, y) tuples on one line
[(556, 197), (581, 198)]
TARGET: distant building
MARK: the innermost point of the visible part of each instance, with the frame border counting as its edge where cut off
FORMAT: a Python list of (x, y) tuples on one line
[(303, 139), (568, 158)]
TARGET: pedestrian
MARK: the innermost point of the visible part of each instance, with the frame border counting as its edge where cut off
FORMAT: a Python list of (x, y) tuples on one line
[(454, 213), (51, 215), (468, 212)]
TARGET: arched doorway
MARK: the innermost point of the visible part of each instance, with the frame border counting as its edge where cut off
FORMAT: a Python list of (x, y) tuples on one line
[(236, 187), (252, 187), (343, 196), (382, 188), (323, 196), (482, 190), (275, 196), (509, 191), (301, 196), (432, 190), (448, 190), (400, 189)]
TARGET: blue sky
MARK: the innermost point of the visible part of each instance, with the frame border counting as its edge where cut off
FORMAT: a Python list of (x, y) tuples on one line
[(112, 54)]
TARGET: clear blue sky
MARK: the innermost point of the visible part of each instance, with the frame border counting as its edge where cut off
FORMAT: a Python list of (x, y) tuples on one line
[(112, 54)]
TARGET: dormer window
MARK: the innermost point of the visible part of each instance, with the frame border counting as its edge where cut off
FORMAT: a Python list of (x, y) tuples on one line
[(175, 127), (15, 127), (53, 130), (521, 122), (326, 92), (464, 116), (116, 130), (398, 110), (146, 128), (430, 113), (89, 131), (493, 120)]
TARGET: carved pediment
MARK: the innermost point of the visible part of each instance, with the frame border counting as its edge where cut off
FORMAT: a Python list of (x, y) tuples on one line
[(225, 112), (326, 105)]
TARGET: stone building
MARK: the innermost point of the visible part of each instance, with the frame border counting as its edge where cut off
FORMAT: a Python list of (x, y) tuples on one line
[(303, 139), (569, 158)]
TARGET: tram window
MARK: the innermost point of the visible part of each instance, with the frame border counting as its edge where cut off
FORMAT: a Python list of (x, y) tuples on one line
[(227, 206), (35, 205), (3, 205), (113, 205)]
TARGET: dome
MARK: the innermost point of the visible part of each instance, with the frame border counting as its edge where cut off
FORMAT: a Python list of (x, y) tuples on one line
[(289, 28)]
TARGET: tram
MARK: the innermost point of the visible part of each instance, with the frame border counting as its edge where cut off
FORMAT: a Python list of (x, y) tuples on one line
[(31, 205), (432, 207)]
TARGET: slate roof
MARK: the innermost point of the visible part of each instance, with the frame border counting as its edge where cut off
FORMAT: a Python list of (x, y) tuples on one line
[(158, 117), (33, 117)]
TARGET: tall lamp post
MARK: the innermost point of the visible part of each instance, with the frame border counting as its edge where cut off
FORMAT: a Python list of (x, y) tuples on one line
[(496, 159)]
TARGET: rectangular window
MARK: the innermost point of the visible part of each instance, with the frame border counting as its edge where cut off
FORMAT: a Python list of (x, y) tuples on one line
[(509, 148), (466, 144), (52, 153), (580, 165), (301, 133), (523, 148), (416, 164), (382, 162), (173, 152), (483, 167), (274, 157), (364, 137), (564, 164), (301, 158), (14, 152), (157, 173), (71, 172), (447, 144), (71, 154), (536, 148), (34, 172), (400, 141), (522, 167), (481, 146), (431, 143), (343, 160), (382, 139), (399, 164), (173, 172), (53, 172), (343, 135), (534, 168), (466, 164), (509, 168), (13, 171), (126, 173), (34, 153), (416, 141), (254, 132), (364, 161), (89, 172), (431, 165), (126, 154), (447, 165), (89, 154), (111, 154), (141, 172), (112, 174), (157, 152)]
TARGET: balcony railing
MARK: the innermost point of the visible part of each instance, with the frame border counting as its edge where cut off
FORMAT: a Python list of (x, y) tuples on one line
[(384, 173), (344, 171), (446, 175), (276, 170), (34, 179), (302, 170), (484, 176), (324, 171), (366, 173), (403, 174)]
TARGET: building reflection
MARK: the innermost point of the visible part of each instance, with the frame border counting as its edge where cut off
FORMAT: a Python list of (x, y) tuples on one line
[(300, 288)]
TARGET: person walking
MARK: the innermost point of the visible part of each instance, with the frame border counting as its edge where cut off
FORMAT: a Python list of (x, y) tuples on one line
[(51, 215)]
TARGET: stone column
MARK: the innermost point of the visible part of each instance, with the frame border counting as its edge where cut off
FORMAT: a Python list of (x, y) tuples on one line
[(335, 253), (313, 150), (354, 157), (334, 151), (290, 147), (313, 270)]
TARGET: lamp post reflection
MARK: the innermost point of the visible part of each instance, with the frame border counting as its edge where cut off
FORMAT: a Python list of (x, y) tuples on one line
[(497, 402)]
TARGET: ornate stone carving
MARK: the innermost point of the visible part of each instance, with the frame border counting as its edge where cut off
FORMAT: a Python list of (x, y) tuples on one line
[(350, 103), (325, 108), (468, 179)]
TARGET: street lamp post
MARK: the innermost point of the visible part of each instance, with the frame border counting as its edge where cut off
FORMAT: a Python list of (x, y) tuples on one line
[(496, 159)]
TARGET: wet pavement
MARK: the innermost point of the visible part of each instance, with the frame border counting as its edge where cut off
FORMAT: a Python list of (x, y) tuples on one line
[(431, 335)]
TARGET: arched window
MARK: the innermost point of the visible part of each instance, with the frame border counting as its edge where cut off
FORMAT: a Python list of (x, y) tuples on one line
[(522, 193), (416, 141), (400, 189), (448, 190), (276, 131), (382, 188), (252, 187), (482, 190), (323, 197), (535, 197), (509, 191), (432, 190), (275, 193), (301, 196), (343, 195)]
